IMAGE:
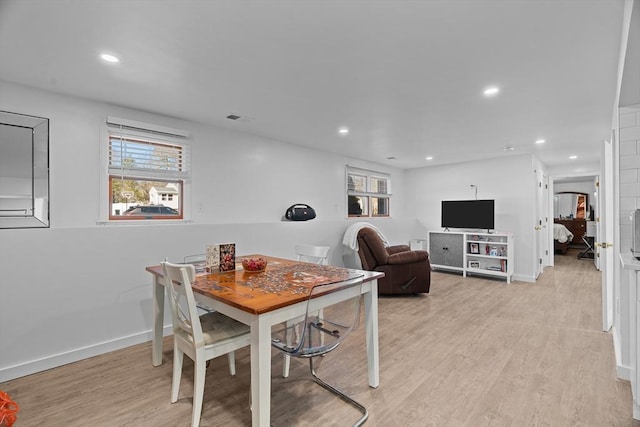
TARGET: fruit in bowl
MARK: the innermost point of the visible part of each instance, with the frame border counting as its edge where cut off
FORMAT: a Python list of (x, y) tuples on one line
[(254, 264)]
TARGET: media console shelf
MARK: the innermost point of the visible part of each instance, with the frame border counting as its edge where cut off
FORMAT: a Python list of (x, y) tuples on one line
[(472, 253)]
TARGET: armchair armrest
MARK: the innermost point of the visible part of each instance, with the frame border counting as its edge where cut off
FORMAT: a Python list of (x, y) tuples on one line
[(397, 248), (408, 257)]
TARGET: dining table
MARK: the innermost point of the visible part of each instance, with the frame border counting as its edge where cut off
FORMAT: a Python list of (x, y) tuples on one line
[(266, 298)]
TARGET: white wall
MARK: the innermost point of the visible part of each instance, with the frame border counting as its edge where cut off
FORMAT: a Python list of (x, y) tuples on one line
[(587, 187), (78, 288), (629, 200), (629, 171), (508, 180)]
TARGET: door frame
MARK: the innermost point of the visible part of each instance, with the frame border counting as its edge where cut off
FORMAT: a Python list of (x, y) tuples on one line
[(607, 225), (551, 190)]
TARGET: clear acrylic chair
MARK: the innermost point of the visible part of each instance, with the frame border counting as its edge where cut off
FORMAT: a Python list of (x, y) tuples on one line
[(201, 338), (199, 261), (318, 335), (316, 255)]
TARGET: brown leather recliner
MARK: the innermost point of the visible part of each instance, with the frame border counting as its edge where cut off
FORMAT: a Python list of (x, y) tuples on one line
[(406, 271)]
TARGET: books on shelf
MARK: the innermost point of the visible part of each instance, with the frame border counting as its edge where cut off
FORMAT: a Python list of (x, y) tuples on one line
[(502, 267)]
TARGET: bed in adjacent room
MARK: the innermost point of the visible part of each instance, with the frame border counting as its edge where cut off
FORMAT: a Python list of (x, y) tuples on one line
[(561, 238)]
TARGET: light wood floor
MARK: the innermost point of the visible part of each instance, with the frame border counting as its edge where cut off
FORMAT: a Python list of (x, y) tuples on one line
[(474, 352)]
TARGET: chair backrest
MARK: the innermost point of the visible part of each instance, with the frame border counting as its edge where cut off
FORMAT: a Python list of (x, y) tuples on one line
[(321, 331), (371, 249), (311, 253), (177, 278)]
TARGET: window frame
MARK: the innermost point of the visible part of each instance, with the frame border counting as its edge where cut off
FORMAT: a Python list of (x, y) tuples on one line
[(368, 195), (149, 134)]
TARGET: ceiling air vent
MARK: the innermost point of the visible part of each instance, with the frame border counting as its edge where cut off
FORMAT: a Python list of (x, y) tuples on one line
[(233, 117)]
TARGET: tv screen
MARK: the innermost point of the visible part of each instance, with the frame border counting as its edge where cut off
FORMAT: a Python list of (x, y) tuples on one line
[(468, 214)]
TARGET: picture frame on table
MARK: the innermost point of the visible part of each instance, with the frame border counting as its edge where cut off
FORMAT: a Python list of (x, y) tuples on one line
[(474, 264), (474, 248)]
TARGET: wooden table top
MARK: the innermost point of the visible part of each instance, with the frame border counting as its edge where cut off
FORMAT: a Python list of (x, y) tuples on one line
[(284, 282)]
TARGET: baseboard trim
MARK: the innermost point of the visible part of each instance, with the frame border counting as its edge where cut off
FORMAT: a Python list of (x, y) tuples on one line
[(34, 366), (623, 372), (522, 278)]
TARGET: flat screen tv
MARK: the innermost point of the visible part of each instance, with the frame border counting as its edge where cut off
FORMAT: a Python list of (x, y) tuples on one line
[(476, 214)]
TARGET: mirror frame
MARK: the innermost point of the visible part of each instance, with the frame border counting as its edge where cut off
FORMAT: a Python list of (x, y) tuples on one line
[(37, 216)]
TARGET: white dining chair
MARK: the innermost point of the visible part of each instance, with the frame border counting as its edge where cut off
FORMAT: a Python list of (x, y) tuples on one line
[(199, 261), (201, 338), (311, 253)]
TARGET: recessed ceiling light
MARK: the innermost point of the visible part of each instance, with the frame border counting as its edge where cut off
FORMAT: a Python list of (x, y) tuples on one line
[(573, 157), (540, 141), (391, 158), (343, 131), (109, 58), (429, 157), (509, 148), (491, 91)]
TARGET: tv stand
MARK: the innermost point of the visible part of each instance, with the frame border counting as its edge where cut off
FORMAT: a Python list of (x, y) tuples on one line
[(479, 253)]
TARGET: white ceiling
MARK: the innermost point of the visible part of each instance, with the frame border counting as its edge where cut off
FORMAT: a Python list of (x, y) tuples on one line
[(405, 76)]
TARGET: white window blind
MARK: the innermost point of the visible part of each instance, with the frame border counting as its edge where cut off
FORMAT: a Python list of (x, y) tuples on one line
[(363, 181), (379, 185), (137, 157)]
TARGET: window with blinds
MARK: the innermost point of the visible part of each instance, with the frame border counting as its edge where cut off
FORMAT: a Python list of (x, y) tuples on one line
[(146, 177), (368, 193)]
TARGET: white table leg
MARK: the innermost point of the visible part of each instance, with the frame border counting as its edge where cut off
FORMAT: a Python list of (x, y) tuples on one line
[(371, 325), (260, 371), (158, 320)]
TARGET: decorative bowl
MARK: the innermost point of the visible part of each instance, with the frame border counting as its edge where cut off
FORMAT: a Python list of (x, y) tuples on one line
[(254, 265)]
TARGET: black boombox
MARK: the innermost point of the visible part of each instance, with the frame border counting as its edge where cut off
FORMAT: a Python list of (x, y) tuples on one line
[(300, 212)]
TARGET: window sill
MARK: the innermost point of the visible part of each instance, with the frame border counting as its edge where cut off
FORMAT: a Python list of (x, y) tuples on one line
[(143, 222)]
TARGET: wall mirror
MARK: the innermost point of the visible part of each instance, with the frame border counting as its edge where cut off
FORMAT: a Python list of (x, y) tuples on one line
[(570, 205), (24, 171)]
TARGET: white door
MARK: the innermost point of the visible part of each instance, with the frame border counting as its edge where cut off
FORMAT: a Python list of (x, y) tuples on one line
[(606, 221), (598, 236), (546, 223), (541, 216)]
